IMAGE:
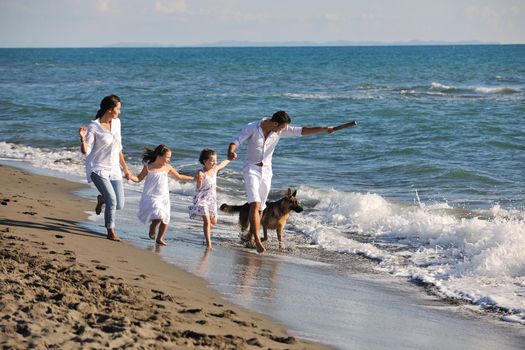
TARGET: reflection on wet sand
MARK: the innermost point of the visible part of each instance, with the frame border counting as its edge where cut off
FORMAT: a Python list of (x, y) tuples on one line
[(156, 248), (203, 264), (254, 276)]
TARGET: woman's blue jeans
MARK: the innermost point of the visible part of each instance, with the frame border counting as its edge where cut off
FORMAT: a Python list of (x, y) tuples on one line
[(113, 193)]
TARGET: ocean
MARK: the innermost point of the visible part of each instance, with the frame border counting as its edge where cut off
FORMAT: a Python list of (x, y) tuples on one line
[(428, 188)]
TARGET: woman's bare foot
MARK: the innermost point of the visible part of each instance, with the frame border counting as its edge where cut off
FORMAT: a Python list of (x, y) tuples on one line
[(161, 242), (100, 203), (112, 236)]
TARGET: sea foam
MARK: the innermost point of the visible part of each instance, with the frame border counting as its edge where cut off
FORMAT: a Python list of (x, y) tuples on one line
[(462, 257)]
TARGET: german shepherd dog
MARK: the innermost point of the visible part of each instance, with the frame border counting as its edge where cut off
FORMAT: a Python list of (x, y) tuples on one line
[(274, 215)]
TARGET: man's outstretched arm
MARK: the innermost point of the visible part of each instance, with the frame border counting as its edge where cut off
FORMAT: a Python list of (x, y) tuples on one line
[(310, 130)]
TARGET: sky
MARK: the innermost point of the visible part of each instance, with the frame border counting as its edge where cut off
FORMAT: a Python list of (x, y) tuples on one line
[(96, 23)]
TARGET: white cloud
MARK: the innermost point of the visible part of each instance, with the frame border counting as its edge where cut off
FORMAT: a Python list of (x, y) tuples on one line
[(103, 6), (171, 6)]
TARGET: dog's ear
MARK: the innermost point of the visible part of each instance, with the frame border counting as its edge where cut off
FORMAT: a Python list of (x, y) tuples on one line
[(294, 193), (289, 194)]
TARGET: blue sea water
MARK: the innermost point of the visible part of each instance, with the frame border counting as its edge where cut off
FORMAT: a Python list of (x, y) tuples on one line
[(429, 185), (442, 120)]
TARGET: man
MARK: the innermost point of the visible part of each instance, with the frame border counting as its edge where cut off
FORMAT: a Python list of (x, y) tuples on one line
[(262, 138)]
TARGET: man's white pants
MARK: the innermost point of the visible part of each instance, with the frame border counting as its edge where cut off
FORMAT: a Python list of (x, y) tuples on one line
[(257, 182)]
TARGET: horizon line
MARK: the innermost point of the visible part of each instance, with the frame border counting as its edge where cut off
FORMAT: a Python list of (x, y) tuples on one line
[(254, 44)]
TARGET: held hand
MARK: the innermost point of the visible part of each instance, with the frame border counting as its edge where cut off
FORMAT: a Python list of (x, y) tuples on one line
[(232, 156)]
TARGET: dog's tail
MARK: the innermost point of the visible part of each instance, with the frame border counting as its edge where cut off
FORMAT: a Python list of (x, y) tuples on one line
[(231, 208)]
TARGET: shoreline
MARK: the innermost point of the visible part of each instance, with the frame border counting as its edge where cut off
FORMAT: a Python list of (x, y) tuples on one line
[(344, 309), (69, 287)]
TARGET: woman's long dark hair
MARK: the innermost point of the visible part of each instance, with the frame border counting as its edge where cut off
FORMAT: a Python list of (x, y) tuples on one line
[(150, 155), (107, 103)]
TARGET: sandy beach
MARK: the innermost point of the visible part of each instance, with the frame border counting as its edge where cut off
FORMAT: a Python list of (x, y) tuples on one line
[(66, 287)]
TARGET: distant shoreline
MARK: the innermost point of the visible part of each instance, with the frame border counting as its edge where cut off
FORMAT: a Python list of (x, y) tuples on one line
[(270, 45)]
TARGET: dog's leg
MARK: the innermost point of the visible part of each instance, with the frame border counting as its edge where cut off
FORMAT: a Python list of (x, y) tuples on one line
[(265, 233), (280, 230)]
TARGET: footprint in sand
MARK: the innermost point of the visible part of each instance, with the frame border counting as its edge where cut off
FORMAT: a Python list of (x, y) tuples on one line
[(245, 324), (225, 314), (284, 340), (101, 267), (254, 342), (163, 297), (59, 236), (190, 311)]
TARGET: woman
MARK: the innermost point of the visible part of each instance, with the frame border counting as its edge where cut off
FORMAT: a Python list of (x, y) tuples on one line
[(101, 142)]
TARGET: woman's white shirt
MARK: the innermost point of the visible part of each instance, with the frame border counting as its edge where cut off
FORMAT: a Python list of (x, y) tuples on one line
[(103, 148)]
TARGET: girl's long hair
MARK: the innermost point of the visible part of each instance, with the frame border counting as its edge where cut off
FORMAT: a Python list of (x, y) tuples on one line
[(107, 103), (150, 155)]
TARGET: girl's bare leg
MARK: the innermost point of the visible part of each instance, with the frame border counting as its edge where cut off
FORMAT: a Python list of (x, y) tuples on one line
[(206, 228), (153, 228), (162, 231)]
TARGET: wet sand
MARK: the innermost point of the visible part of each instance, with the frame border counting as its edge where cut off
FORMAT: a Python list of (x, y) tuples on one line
[(68, 287), (64, 286)]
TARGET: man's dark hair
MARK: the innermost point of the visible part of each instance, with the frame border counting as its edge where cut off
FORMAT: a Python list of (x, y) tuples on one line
[(281, 117)]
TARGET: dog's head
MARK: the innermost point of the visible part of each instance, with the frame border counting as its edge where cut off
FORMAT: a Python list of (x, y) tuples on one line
[(291, 201)]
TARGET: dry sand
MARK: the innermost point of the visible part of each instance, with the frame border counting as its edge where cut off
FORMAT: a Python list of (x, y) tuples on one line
[(65, 287)]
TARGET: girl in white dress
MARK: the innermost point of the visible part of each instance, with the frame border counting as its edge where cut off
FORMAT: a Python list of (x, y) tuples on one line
[(155, 206), (205, 200)]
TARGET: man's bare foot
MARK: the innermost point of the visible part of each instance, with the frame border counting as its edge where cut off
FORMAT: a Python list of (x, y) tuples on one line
[(161, 242), (100, 203), (260, 247)]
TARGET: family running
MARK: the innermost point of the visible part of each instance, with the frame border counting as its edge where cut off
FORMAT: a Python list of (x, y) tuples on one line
[(101, 142)]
